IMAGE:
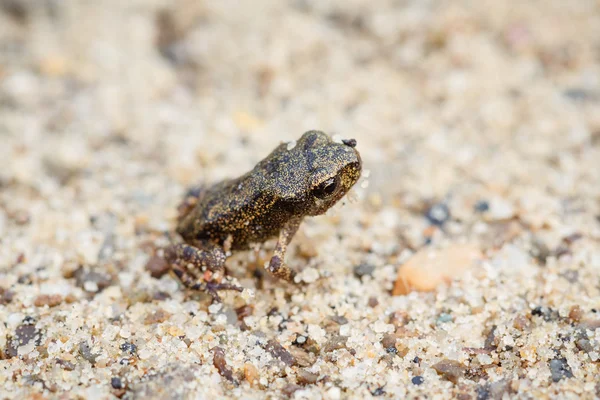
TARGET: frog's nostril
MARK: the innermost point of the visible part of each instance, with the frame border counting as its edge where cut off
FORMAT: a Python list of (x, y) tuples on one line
[(349, 142)]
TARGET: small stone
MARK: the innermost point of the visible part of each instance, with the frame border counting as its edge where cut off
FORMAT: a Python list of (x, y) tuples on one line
[(540, 251), (335, 343), (128, 348), (428, 268), (156, 317), (290, 389), (500, 210), (24, 334), (310, 275), (279, 352), (389, 341), (92, 281), (86, 352), (251, 374), (116, 383), (438, 214), (444, 317), (48, 300), (363, 269), (499, 388), (157, 266), (221, 364), (584, 344), (65, 364), (334, 393), (176, 331), (305, 377), (591, 324), (303, 358), (6, 296), (417, 380), (373, 302), (575, 313), (482, 206), (559, 368), (451, 370)]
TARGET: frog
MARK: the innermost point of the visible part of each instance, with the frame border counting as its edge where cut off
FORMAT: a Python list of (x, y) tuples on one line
[(296, 180)]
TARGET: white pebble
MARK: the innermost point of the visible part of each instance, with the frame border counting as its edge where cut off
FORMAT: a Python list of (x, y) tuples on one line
[(310, 275), (381, 327), (334, 393), (90, 286), (484, 359), (214, 308)]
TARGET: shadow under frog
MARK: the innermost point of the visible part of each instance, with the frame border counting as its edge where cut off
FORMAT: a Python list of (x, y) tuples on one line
[(292, 182)]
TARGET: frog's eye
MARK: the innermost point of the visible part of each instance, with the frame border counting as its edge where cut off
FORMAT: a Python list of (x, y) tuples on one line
[(326, 188)]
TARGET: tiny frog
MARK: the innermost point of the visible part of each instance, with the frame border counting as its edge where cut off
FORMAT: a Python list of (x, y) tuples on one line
[(294, 181)]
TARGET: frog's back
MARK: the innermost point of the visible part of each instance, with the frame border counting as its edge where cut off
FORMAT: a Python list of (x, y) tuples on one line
[(243, 209)]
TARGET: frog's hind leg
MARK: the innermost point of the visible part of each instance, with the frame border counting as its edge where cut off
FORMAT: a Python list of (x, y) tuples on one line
[(199, 268), (277, 264)]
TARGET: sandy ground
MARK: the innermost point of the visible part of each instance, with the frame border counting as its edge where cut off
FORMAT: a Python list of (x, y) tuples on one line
[(478, 123)]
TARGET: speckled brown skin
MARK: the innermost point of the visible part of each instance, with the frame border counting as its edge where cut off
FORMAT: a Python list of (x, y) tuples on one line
[(290, 183)]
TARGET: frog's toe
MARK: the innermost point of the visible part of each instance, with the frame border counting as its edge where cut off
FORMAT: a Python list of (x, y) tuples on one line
[(213, 288)]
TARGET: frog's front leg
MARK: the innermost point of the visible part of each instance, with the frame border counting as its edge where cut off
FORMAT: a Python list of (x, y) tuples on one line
[(277, 264), (200, 268)]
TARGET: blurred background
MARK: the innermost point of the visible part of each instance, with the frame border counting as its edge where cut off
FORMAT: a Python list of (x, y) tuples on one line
[(476, 119)]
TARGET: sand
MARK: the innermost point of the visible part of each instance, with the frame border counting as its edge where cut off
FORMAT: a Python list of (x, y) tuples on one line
[(478, 123)]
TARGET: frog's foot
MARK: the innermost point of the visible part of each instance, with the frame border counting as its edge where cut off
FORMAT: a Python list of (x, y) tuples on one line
[(199, 268), (279, 269), (277, 264), (213, 287)]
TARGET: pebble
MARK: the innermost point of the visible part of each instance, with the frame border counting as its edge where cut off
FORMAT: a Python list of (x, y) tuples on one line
[(305, 377), (499, 210), (451, 370), (48, 300), (157, 266), (309, 275), (417, 380), (559, 368), (438, 214), (251, 374), (363, 269), (428, 268)]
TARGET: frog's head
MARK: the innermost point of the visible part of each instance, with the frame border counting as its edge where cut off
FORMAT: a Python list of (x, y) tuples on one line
[(333, 168)]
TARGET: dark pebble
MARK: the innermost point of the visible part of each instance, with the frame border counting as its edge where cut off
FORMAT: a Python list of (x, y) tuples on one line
[(378, 392), (545, 312), (417, 380), (128, 347), (116, 383), (363, 269), (560, 369), (451, 370), (157, 266), (86, 352), (438, 214), (102, 280), (221, 364), (278, 351), (482, 206)]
